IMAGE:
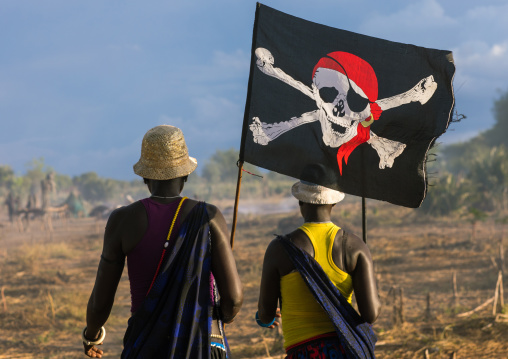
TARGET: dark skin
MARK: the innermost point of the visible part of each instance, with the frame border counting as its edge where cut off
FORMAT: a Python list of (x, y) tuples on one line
[(357, 262), (125, 229)]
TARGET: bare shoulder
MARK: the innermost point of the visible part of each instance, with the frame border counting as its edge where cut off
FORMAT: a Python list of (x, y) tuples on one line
[(127, 216), (218, 226), (302, 241), (190, 203), (275, 246), (277, 258), (216, 216), (354, 242), (355, 248), (125, 227), (213, 211)]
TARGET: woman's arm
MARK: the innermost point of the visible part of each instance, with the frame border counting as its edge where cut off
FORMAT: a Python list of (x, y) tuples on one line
[(224, 266), (361, 268), (106, 283), (269, 292), (126, 225)]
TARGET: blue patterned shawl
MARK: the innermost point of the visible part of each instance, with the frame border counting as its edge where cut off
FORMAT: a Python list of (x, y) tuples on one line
[(175, 318), (355, 335)]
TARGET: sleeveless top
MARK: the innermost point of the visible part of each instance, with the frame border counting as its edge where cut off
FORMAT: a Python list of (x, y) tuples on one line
[(303, 317), (142, 261)]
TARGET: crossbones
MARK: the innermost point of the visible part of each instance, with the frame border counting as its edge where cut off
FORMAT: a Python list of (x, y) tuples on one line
[(342, 127)]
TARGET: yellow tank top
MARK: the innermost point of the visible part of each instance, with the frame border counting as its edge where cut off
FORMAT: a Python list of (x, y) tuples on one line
[(302, 316)]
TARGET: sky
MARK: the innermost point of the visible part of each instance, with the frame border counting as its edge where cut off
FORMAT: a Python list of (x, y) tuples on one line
[(82, 81)]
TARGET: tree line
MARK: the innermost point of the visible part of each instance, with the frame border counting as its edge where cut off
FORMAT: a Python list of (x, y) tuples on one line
[(217, 180), (472, 176), (468, 177)]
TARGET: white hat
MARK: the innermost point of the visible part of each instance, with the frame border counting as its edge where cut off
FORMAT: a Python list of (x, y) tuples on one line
[(315, 194)]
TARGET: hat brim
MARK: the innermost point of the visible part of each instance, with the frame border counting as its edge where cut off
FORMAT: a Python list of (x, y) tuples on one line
[(316, 194), (150, 172)]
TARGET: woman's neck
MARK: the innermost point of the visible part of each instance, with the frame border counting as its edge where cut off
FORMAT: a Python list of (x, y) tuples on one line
[(318, 216), (165, 190)]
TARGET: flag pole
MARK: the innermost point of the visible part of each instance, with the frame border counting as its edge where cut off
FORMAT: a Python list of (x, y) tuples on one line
[(235, 211), (245, 125), (364, 220), (364, 204)]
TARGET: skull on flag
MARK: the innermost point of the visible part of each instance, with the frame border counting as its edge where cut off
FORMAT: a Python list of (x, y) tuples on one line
[(345, 90)]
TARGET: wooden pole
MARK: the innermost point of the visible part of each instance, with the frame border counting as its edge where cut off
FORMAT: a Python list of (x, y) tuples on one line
[(428, 312), (401, 307), (395, 315), (364, 185), (499, 294), (496, 296), (364, 220), (3, 299), (466, 314), (501, 255), (501, 290), (235, 211), (454, 284)]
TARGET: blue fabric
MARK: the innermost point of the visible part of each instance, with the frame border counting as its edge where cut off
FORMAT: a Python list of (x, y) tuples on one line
[(355, 335), (175, 318), (219, 345)]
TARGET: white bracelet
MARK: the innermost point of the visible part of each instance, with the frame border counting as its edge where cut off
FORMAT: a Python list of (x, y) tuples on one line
[(87, 341)]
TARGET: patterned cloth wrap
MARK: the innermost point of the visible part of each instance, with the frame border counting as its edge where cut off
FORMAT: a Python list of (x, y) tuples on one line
[(355, 335), (175, 318), (323, 346), (218, 351)]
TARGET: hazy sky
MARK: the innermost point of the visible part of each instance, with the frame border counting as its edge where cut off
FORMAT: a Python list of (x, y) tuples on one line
[(82, 81)]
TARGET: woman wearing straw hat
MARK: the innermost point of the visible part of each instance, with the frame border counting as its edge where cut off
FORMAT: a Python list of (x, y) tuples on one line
[(313, 271), (183, 277)]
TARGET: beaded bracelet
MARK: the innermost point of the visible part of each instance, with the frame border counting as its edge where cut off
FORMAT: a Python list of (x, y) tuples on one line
[(102, 336), (261, 324)]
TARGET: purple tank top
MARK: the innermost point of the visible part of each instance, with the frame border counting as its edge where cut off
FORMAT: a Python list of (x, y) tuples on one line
[(142, 261)]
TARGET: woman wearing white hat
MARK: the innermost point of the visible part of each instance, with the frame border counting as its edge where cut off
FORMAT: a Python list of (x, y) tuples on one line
[(313, 271), (183, 277)]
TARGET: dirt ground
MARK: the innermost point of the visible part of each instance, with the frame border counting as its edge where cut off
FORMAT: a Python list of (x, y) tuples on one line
[(46, 279)]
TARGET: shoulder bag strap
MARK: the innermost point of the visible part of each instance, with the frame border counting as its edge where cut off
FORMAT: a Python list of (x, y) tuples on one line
[(166, 244)]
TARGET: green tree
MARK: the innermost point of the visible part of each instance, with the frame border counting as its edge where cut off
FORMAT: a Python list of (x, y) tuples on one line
[(93, 188), (458, 156), (449, 193), (6, 176), (483, 162), (489, 173), (221, 166), (63, 182), (36, 169), (474, 216), (20, 186), (497, 135), (503, 221)]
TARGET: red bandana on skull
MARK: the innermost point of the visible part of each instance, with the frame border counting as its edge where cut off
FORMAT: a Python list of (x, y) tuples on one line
[(362, 74)]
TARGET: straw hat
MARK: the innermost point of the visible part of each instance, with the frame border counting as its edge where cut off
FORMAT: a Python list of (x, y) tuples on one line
[(164, 155), (315, 194)]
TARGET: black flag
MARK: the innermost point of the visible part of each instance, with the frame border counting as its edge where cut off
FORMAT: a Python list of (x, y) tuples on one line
[(368, 110)]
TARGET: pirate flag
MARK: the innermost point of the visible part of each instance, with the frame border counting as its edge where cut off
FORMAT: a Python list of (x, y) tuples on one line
[(368, 110)]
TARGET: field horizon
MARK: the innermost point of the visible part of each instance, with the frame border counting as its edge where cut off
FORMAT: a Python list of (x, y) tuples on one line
[(47, 277)]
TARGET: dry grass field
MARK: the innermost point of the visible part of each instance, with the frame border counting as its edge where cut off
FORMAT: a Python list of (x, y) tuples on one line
[(46, 278)]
